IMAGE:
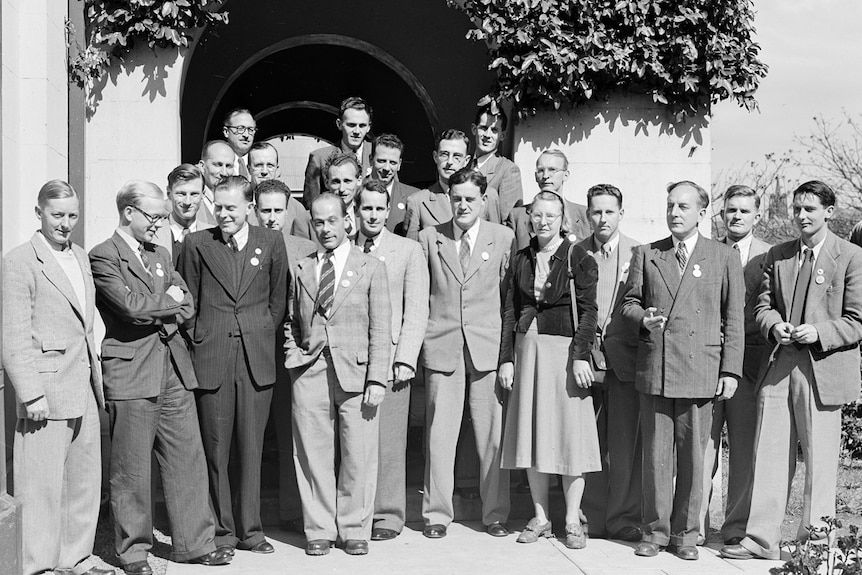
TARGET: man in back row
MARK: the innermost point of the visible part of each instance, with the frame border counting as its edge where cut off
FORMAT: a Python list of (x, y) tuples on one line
[(385, 165)]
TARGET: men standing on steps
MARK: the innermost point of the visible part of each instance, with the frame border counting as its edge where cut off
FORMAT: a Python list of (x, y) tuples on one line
[(149, 383), (239, 130), (612, 498), (291, 219), (489, 131), (217, 160), (337, 348), (408, 295), (385, 165)]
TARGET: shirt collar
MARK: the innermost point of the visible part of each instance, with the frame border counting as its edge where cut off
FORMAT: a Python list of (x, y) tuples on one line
[(613, 243), (132, 242), (66, 248), (178, 228), (471, 233), (816, 248), (241, 236), (744, 245), (339, 252), (689, 243)]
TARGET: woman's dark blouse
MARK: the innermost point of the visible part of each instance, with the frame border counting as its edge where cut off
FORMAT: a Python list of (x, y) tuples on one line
[(553, 315)]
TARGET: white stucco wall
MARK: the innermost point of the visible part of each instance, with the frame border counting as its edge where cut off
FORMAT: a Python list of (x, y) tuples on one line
[(34, 108), (628, 142)]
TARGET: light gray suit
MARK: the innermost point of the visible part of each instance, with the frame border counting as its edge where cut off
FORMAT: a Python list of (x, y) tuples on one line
[(427, 208), (48, 351)]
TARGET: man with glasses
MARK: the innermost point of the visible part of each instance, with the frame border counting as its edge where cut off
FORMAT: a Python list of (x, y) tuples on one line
[(148, 379), (239, 130), (217, 162)]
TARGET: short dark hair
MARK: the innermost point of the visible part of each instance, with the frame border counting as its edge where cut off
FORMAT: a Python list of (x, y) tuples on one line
[(605, 190), (184, 173), (355, 103), (492, 110), (341, 159), (236, 112), (451, 134), (372, 186), (388, 141), (258, 146), (469, 175), (329, 196), (231, 182), (742, 191), (817, 188), (271, 187), (702, 195)]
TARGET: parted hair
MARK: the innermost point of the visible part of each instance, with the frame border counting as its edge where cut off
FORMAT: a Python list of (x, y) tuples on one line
[(740, 190), (271, 187), (465, 175), (546, 195), (236, 112), (817, 188), (259, 146), (451, 134), (184, 173), (388, 141), (605, 190), (132, 191), (355, 103), (236, 182), (341, 159), (702, 195), (55, 190), (492, 110), (557, 154), (372, 186)]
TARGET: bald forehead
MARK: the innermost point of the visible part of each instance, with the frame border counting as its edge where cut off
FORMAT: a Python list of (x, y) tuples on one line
[(216, 150)]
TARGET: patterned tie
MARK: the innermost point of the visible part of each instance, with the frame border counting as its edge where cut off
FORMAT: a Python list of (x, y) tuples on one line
[(369, 244), (349, 226), (681, 257), (606, 251), (797, 310), (464, 253), (326, 292), (231, 241), (145, 259)]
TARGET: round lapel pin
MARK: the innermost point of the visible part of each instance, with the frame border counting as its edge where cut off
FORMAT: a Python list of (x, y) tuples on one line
[(401, 205), (381, 258), (345, 283), (696, 271), (257, 251), (349, 273), (159, 272), (820, 272), (485, 256), (254, 261), (819, 279)]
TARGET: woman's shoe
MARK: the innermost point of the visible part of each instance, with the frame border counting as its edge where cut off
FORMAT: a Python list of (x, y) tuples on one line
[(575, 536), (533, 531)]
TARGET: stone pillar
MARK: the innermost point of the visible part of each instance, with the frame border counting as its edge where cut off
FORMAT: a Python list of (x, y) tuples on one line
[(629, 142)]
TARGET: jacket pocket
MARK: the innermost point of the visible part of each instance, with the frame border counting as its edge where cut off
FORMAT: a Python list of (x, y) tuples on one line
[(112, 351), (362, 357), (54, 345), (46, 365)]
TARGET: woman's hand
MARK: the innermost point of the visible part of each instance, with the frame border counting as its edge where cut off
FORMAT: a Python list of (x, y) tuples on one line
[(582, 373), (506, 375)]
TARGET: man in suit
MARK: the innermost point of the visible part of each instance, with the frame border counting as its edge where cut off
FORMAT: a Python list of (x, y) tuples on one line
[(385, 164), (52, 364), (338, 340), (149, 380), (343, 178), (239, 130), (279, 211), (810, 309), (552, 171), (740, 214), (612, 498), (468, 260), (263, 163), (354, 123), (273, 206), (489, 130), (685, 294), (185, 193), (430, 207), (237, 275), (407, 276), (217, 161)]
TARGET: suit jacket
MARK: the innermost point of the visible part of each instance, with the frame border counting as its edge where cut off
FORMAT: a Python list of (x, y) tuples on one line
[(314, 178), (465, 308), (48, 347), (431, 207), (408, 294), (164, 237), (250, 310), (138, 316), (505, 177), (704, 334), (833, 307), (205, 215), (358, 329), (519, 222), (621, 340), (398, 207)]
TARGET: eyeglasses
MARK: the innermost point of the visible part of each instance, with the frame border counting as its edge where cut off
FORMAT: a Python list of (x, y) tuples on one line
[(150, 217), (550, 218), (240, 130)]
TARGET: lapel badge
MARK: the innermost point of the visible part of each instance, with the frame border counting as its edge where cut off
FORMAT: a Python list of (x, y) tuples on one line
[(159, 271), (350, 273), (572, 238), (381, 258), (401, 205), (485, 256), (159, 264), (696, 271), (254, 261), (819, 279), (257, 251), (820, 272), (345, 283)]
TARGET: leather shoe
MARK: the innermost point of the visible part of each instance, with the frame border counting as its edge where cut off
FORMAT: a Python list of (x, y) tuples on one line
[(318, 547), (138, 568), (498, 529), (383, 534), (629, 533), (228, 549), (91, 571), (686, 552), (647, 549), (435, 531), (469, 493), (356, 547), (262, 547), (737, 552), (733, 541), (217, 557)]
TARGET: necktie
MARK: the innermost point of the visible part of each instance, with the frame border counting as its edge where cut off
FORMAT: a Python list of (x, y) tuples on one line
[(681, 257), (464, 252), (606, 251), (739, 251), (231, 241), (145, 259), (801, 290), (348, 227), (369, 243), (184, 233), (327, 285)]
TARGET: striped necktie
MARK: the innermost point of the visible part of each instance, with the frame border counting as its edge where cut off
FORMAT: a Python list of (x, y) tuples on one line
[(145, 259), (326, 292), (681, 257), (464, 252)]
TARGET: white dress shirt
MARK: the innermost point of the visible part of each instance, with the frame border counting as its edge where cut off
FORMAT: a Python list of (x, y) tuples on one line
[(339, 260), (471, 234), (241, 237), (177, 229)]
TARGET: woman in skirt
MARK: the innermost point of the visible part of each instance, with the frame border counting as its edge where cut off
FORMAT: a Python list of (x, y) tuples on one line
[(550, 422)]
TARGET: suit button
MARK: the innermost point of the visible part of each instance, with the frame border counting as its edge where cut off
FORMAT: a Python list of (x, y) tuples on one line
[(697, 311), (691, 356), (667, 331), (691, 332)]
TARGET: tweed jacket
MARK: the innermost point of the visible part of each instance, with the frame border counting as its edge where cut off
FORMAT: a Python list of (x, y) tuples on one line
[(430, 207), (703, 337), (139, 317), (398, 207), (519, 222), (621, 340), (465, 309), (833, 307), (505, 177), (315, 181), (250, 310), (48, 347), (358, 329)]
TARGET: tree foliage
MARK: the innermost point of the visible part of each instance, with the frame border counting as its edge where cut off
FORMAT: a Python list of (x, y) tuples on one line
[(686, 54)]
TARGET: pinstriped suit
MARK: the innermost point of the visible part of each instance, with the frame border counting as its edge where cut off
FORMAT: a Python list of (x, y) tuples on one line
[(678, 370), (48, 351)]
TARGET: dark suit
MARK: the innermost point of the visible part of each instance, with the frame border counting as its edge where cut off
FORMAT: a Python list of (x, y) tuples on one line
[(241, 298), (148, 377), (398, 207), (505, 177), (678, 370), (519, 222), (315, 181), (802, 387)]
